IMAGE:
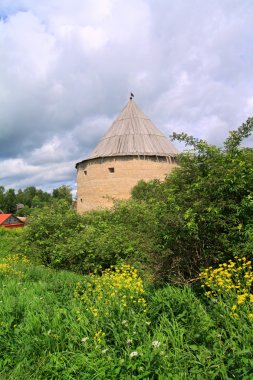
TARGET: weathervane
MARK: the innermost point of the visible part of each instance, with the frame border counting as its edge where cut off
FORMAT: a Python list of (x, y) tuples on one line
[(131, 95)]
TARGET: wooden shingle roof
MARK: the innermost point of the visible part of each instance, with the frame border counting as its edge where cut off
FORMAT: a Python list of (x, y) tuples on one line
[(133, 133)]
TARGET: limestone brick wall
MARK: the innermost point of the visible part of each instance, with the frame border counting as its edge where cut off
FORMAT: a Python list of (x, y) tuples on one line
[(100, 181)]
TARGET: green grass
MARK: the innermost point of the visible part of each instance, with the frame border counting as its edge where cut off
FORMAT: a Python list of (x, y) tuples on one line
[(48, 333), (9, 241)]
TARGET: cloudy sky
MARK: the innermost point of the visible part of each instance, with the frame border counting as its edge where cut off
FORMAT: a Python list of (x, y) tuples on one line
[(67, 67)]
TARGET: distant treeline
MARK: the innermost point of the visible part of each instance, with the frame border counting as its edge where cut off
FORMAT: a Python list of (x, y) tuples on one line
[(22, 201)]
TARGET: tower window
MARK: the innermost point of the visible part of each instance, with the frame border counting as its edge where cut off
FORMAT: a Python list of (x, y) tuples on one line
[(111, 170), (85, 172)]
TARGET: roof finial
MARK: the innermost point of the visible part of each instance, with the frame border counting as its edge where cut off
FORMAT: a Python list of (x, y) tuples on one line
[(131, 95)]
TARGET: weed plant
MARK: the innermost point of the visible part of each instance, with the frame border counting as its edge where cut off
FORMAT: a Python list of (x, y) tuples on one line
[(61, 325)]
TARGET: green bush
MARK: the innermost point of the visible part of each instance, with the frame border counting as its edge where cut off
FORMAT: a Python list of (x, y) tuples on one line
[(204, 208), (50, 229), (60, 238)]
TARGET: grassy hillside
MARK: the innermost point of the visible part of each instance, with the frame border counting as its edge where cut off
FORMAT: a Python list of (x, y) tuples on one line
[(61, 325)]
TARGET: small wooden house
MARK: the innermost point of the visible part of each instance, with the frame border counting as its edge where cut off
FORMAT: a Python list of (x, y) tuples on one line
[(10, 221)]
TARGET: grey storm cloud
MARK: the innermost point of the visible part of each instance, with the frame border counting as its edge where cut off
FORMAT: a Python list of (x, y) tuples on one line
[(67, 68)]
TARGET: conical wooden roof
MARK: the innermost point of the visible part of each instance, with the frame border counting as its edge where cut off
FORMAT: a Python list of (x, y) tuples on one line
[(133, 133)]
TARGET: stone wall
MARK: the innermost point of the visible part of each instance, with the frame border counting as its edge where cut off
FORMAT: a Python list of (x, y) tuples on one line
[(100, 181)]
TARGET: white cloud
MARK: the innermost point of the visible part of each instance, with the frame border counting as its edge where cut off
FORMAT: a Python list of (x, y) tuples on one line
[(49, 152), (16, 167), (17, 173)]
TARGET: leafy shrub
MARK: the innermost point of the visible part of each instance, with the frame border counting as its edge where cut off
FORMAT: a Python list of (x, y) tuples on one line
[(204, 207), (148, 191), (49, 229), (59, 237)]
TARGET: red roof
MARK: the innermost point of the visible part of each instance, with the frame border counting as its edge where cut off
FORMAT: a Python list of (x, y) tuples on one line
[(3, 217), (15, 221)]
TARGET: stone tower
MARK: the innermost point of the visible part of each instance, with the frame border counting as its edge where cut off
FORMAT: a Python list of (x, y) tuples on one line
[(131, 150)]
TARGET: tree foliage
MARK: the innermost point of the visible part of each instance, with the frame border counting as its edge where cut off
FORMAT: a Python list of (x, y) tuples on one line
[(208, 206), (63, 192), (204, 209), (23, 201)]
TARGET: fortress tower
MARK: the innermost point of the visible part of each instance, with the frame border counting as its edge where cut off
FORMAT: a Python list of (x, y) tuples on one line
[(131, 150)]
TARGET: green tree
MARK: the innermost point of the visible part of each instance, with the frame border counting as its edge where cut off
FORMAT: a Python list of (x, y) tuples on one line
[(49, 231), (24, 211), (209, 202), (151, 190), (43, 196), (2, 203), (63, 192), (28, 195), (20, 197), (204, 208), (10, 201)]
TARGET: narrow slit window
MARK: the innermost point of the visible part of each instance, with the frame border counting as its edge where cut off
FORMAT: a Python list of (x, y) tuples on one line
[(85, 172), (111, 170)]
